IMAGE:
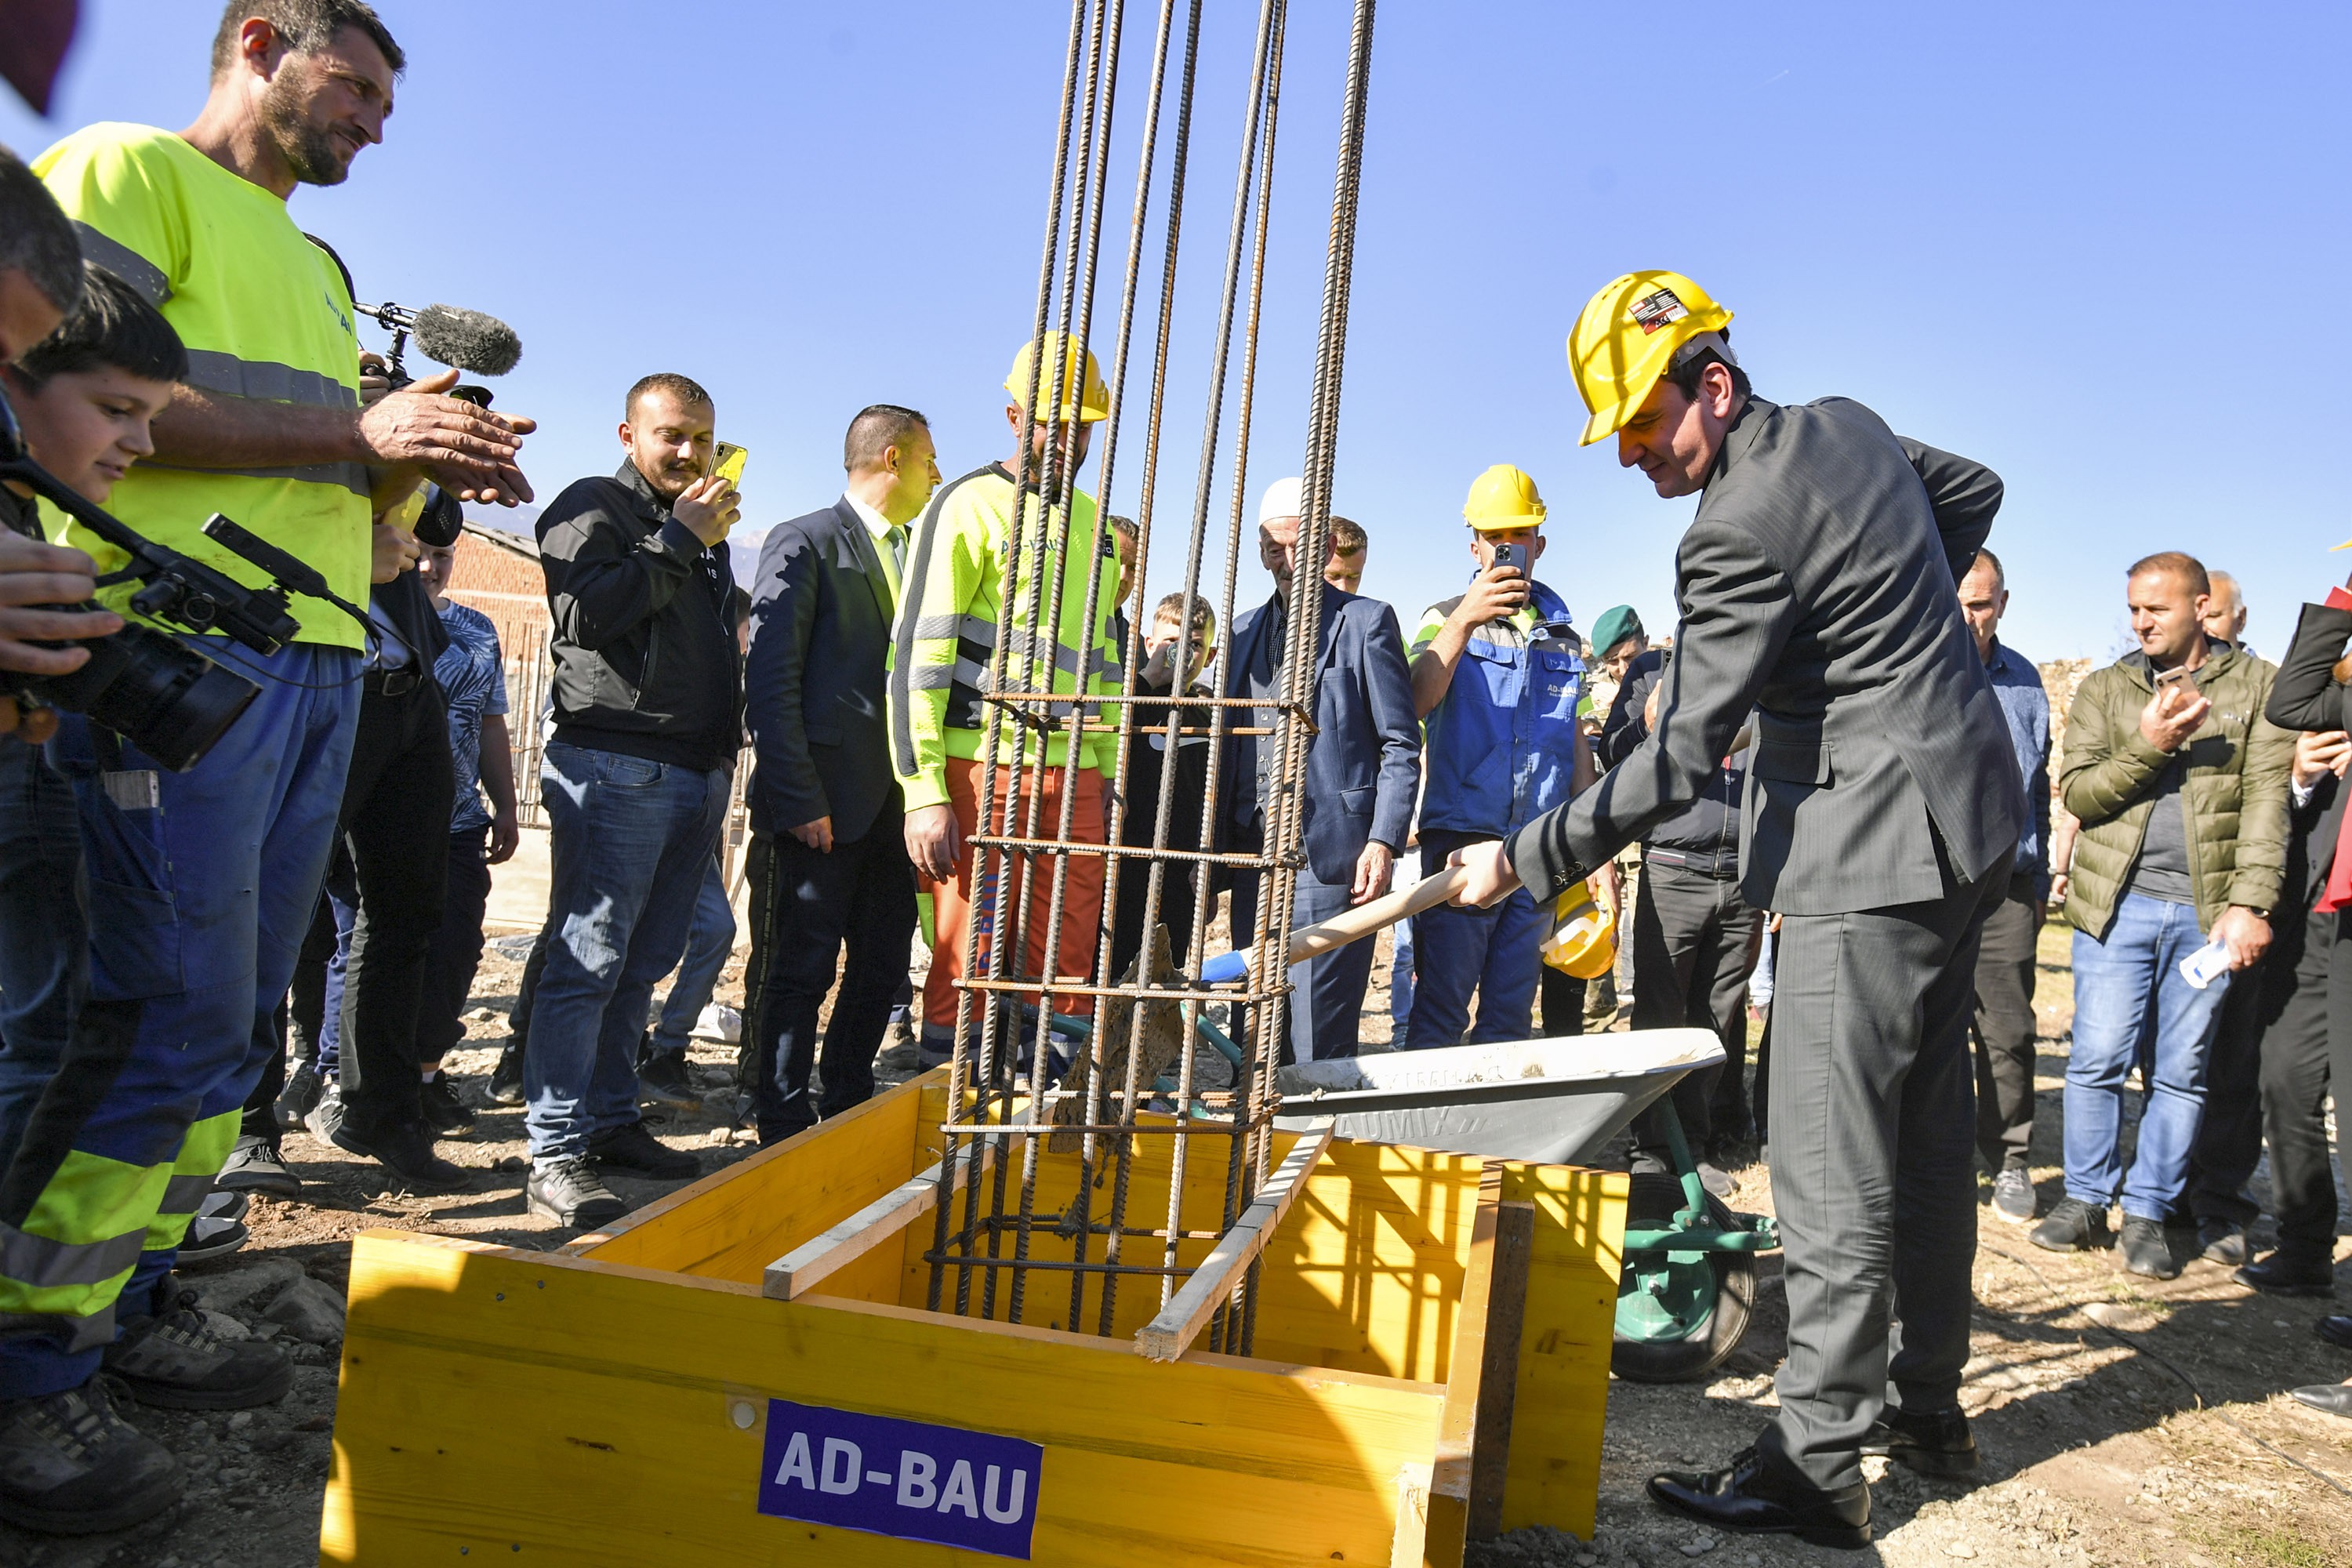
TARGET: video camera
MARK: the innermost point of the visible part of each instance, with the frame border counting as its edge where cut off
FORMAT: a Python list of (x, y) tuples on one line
[(163, 696)]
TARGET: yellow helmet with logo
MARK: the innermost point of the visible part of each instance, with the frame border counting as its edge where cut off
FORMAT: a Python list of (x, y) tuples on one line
[(1583, 942), (1085, 398), (1502, 497), (1626, 337)]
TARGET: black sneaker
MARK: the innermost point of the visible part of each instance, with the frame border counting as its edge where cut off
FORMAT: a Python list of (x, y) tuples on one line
[(255, 1166), (2073, 1226), (572, 1194), (1931, 1442), (325, 1118), (2145, 1250), (2012, 1197), (209, 1240), (173, 1361), (301, 1095), (70, 1465), (405, 1151), (444, 1111), (506, 1079), (663, 1078), (638, 1151), (2222, 1241)]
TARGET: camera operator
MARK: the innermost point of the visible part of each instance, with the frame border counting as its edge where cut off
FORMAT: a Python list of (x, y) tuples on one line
[(202, 882)]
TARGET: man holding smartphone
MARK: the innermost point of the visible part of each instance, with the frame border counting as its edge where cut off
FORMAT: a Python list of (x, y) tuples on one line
[(1496, 680)]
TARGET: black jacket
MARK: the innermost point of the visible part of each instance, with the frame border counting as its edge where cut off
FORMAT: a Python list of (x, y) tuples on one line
[(1707, 831), (2304, 696), (645, 627), (821, 618)]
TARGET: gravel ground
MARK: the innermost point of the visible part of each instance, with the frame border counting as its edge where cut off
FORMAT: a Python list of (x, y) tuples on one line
[(2085, 1385)]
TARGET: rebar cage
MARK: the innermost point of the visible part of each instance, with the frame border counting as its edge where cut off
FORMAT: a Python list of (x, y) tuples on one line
[(1011, 1096)]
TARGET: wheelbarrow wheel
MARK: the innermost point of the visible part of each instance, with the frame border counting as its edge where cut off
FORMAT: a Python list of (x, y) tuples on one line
[(1679, 1314)]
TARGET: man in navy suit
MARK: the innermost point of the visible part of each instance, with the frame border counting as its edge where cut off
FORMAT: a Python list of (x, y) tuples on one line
[(828, 864), (1362, 768)]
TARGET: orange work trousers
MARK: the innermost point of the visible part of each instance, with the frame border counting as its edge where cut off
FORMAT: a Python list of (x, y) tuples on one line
[(1082, 895)]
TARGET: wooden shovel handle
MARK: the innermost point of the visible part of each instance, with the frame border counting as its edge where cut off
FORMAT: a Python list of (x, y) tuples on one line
[(1385, 911)]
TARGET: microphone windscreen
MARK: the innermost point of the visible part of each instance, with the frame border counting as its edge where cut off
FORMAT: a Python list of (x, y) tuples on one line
[(467, 340)]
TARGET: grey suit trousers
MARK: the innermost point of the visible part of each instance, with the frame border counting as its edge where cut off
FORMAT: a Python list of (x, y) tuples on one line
[(1873, 1166)]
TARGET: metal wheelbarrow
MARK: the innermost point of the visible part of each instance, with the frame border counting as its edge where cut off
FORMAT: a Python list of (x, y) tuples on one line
[(1690, 1279)]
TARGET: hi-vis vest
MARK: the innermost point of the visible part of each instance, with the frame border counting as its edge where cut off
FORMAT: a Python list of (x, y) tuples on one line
[(1502, 745), (957, 567)]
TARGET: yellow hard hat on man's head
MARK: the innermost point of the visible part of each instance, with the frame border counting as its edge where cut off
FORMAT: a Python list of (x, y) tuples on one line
[(1502, 497), (1085, 398), (1627, 337)]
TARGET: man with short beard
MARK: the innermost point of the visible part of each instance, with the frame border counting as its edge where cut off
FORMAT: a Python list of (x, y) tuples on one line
[(648, 719), (202, 883)]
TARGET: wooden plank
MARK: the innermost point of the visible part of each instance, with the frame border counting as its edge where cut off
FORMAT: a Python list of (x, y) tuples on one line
[(637, 1385), (1171, 1334), (1451, 1472), (1498, 1375), (799, 1271)]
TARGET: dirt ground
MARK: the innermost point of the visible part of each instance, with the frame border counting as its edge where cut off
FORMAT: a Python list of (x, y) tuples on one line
[(2123, 1421)]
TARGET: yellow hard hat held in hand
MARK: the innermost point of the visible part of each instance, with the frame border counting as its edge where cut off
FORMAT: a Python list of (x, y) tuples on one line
[(1626, 339), (1085, 398), (1583, 940), (1502, 497)]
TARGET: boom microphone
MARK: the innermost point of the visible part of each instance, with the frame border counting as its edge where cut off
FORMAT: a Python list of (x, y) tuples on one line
[(467, 340)]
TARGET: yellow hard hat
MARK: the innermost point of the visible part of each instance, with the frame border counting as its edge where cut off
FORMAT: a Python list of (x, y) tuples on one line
[(1502, 497), (1583, 943), (1085, 385), (1628, 335)]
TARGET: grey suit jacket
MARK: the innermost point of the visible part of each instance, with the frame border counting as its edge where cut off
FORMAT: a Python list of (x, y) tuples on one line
[(1816, 586), (1363, 765)]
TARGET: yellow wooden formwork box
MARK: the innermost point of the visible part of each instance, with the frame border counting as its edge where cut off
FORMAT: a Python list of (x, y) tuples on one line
[(610, 1404)]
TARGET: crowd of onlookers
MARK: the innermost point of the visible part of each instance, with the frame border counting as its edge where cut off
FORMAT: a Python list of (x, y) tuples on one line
[(286, 932)]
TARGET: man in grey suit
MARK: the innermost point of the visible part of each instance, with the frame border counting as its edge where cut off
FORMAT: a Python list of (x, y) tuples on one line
[(1362, 768), (1883, 806)]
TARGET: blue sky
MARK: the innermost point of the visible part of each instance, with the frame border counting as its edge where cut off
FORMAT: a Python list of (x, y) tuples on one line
[(2092, 246)]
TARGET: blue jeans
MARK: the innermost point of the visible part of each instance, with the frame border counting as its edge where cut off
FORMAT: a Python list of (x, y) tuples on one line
[(2128, 995), (631, 841), (1497, 952), (44, 932), (1400, 958), (708, 946)]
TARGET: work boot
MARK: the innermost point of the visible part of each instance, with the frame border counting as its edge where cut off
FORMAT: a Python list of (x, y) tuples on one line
[(571, 1192), (1931, 1442), (506, 1079), (662, 1078), (70, 1465), (172, 1360), (638, 1151), (2284, 1274), (444, 1111), (2222, 1241), (406, 1150), (301, 1095), (2073, 1226), (2145, 1250), (255, 1166), (2012, 1197)]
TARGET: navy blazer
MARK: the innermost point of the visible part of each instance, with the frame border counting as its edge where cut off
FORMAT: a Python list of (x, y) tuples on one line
[(1363, 766), (821, 617)]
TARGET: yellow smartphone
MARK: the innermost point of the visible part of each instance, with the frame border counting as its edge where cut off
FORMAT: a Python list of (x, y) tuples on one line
[(727, 463)]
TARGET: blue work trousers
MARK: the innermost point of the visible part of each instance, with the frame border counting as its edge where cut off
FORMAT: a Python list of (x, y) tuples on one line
[(709, 943), (2130, 998), (632, 842), (44, 932), (1497, 952)]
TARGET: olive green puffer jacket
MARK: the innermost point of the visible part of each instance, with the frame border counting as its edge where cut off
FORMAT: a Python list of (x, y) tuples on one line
[(2235, 790)]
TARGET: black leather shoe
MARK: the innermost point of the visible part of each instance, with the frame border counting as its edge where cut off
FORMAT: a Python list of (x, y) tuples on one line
[(2335, 1398), (2284, 1276), (639, 1153), (2336, 1330), (1932, 1442), (1756, 1495)]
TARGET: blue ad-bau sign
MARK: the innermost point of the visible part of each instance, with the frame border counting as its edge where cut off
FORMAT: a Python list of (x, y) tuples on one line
[(904, 1479)]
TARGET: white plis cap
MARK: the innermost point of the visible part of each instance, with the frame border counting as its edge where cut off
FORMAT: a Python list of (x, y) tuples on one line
[(1283, 499)]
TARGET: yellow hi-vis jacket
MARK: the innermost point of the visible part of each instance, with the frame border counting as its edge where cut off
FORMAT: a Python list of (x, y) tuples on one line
[(950, 597)]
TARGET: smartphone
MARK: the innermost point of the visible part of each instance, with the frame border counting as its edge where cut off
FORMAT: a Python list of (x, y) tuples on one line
[(2180, 681), (1512, 555), (727, 463)]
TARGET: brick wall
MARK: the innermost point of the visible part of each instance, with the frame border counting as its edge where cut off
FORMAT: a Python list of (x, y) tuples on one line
[(498, 573)]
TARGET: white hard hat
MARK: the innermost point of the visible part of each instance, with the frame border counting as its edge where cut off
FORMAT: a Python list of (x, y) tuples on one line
[(1283, 499)]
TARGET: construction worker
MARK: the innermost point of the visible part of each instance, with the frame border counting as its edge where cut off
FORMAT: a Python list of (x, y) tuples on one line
[(962, 561), (1884, 808), (1497, 674)]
